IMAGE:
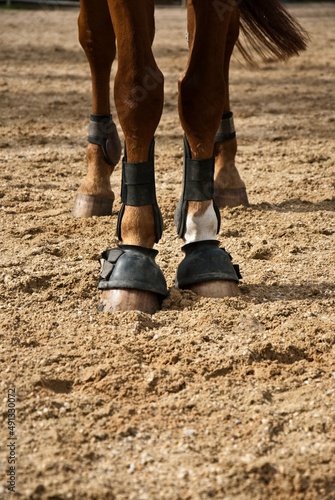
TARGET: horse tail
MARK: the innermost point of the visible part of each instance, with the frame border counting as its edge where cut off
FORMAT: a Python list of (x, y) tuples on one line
[(270, 30)]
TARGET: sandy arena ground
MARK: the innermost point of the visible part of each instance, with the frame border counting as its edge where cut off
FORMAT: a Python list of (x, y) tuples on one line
[(226, 399)]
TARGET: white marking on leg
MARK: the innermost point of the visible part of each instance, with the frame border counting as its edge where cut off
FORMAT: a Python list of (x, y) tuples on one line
[(201, 227)]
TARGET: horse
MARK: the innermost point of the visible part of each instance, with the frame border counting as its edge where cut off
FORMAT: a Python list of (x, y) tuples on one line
[(130, 278)]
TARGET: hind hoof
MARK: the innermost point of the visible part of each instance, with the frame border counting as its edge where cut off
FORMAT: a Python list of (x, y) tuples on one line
[(129, 300), (88, 205), (233, 197)]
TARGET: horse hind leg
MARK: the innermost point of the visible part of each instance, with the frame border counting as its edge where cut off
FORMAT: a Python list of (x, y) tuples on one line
[(229, 188), (96, 35), (206, 269)]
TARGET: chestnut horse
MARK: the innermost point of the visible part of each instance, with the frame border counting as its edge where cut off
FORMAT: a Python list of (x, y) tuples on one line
[(130, 277)]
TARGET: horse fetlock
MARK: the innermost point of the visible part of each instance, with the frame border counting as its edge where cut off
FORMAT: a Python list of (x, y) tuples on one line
[(95, 195), (229, 188), (136, 226), (226, 175), (102, 132), (140, 220), (96, 185), (197, 217), (201, 222)]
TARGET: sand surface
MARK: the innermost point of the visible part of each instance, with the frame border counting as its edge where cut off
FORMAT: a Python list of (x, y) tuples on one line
[(208, 398)]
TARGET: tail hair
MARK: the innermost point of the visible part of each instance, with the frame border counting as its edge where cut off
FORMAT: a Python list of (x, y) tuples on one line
[(270, 30)]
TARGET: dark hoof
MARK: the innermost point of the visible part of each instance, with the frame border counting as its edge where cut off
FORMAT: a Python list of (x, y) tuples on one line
[(132, 274), (205, 262), (231, 197), (87, 205)]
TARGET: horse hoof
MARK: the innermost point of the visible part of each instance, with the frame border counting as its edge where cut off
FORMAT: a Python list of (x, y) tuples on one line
[(131, 280), (216, 289), (87, 205), (129, 300), (233, 197), (208, 270)]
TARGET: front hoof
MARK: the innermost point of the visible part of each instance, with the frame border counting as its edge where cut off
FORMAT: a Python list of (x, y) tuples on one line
[(129, 300), (131, 280), (215, 289), (207, 270), (232, 197), (88, 205)]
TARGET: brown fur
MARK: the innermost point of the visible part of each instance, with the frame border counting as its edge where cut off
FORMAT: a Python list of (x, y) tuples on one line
[(203, 98)]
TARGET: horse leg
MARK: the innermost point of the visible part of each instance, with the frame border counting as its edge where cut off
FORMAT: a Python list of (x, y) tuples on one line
[(206, 269), (96, 35), (229, 189), (135, 281)]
